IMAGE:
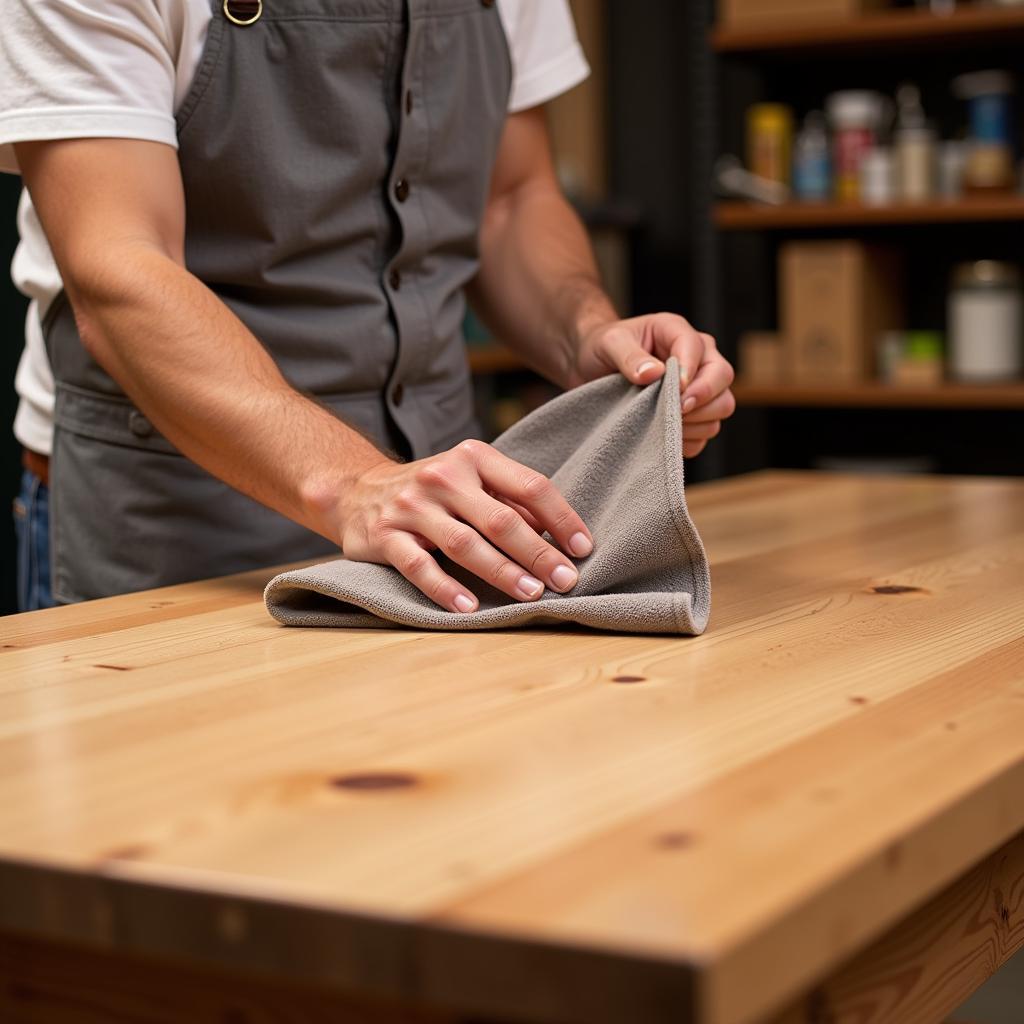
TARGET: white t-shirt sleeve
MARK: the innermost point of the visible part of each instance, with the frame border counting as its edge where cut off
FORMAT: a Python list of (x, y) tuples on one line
[(83, 69), (547, 58)]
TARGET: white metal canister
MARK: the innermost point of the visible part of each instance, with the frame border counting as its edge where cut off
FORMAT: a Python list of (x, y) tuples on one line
[(986, 322)]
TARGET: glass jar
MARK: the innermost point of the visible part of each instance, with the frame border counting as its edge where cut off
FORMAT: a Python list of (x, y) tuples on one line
[(986, 322)]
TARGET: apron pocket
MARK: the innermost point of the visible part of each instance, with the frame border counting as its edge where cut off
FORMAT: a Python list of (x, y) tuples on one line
[(128, 512)]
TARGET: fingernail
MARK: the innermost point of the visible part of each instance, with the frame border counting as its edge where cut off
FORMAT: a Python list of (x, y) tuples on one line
[(530, 587), (563, 578), (644, 367), (464, 603), (689, 404), (580, 545)]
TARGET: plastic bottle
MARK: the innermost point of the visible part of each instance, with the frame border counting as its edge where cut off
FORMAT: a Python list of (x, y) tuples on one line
[(812, 167), (770, 141), (877, 177), (915, 144), (856, 118)]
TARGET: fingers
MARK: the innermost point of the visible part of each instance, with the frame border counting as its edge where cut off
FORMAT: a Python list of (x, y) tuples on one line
[(483, 510), (420, 568), (621, 349), (535, 493), (701, 425), (719, 408), (713, 378), (674, 335), (508, 533), (530, 565), (702, 431), (528, 517)]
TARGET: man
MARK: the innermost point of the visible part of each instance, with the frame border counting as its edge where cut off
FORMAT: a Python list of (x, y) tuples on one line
[(263, 215)]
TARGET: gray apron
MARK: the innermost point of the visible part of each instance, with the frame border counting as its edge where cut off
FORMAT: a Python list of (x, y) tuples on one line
[(336, 157)]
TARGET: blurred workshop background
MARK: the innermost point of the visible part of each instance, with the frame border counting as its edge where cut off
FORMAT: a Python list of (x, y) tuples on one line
[(830, 187)]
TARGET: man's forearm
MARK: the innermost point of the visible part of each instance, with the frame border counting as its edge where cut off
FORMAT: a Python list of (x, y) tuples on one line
[(538, 287), (209, 386)]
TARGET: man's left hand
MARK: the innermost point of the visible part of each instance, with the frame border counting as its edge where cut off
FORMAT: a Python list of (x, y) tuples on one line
[(638, 347)]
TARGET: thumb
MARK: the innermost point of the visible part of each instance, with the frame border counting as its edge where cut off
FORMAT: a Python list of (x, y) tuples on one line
[(620, 349)]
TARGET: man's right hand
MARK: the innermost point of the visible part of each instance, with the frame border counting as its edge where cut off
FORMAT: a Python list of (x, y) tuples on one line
[(483, 510)]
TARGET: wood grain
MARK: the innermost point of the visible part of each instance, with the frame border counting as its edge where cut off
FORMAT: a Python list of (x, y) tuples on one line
[(55, 983), (705, 841), (929, 964)]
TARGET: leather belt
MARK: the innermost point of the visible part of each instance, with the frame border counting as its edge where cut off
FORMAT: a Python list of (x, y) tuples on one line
[(37, 464)]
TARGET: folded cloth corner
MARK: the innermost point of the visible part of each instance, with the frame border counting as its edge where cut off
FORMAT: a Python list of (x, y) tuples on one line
[(614, 450)]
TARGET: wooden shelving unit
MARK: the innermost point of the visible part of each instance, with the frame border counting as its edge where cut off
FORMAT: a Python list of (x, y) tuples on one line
[(493, 358), (887, 28), (736, 245), (877, 395), (741, 216)]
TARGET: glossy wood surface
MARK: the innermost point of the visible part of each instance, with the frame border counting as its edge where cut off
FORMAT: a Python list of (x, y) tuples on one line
[(540, 825)]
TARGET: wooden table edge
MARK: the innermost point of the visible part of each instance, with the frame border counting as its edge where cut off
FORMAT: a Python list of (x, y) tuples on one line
[(971, 928), (991, 802), (434, 967)]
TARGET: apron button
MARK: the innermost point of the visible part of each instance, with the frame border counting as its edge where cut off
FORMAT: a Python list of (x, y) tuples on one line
[(139, 425), (401, 190), (397, 394), (395, 279), (487, 3)]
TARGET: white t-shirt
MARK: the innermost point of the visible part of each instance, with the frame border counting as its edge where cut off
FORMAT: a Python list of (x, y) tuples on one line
[(119, 69)]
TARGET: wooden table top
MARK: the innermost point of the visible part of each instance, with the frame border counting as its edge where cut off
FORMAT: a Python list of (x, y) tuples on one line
[(540, 824)]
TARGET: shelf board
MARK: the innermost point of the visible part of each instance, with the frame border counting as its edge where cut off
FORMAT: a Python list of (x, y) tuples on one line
[(875, 395), (892, 28), (743, 216), (493, 358)]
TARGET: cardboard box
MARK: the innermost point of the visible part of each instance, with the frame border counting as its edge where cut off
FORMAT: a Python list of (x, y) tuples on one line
[(760, 359), (835, 300), (770, 13)]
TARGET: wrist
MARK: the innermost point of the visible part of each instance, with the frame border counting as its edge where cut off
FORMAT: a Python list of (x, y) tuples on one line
[(326, 492), (593, 311)]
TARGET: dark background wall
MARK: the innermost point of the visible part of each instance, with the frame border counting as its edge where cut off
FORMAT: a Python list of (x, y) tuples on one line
[(12, 321), (649, 142)]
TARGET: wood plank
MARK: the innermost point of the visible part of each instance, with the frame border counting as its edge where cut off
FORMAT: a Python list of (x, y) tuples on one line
[(874, 395), (930, 963), (699, 867), (885, 28), (110, 614), (53, 983), (744, 216)]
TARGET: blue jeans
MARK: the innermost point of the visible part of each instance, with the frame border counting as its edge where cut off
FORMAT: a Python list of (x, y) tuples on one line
[(32, 525)]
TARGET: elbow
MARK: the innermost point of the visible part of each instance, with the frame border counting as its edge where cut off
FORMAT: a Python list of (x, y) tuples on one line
[(102, 291), (90, 332)]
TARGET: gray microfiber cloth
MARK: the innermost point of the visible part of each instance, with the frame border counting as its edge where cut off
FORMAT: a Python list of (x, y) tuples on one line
[(614, 450)]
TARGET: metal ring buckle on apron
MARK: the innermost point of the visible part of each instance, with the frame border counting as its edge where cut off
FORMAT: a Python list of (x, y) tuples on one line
[(248, 11)]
